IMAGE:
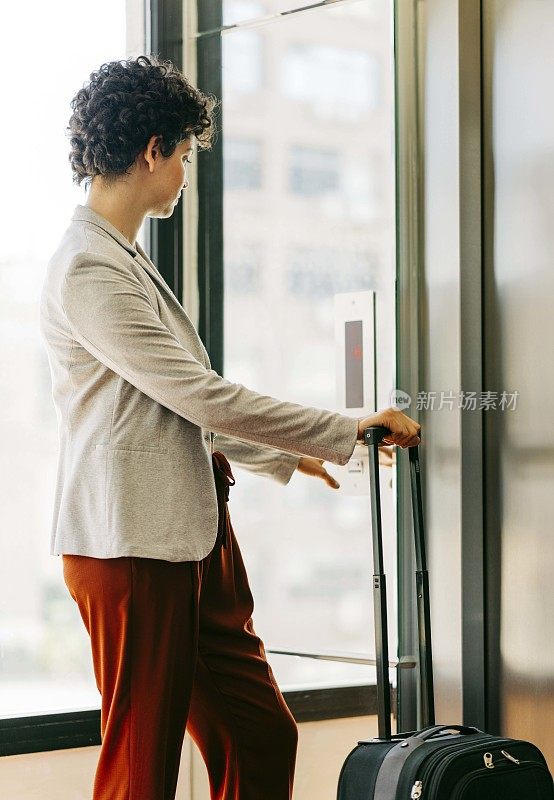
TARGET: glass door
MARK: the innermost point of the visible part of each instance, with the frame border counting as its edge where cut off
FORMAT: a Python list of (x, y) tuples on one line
[(309, 213)]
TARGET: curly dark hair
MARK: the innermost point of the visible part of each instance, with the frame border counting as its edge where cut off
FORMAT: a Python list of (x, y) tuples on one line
[(126, 102)]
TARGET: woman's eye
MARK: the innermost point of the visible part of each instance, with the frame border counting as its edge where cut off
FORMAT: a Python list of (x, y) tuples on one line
[(188, 161)]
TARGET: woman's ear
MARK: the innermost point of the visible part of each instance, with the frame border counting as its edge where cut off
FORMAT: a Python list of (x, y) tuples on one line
[(152, 151)]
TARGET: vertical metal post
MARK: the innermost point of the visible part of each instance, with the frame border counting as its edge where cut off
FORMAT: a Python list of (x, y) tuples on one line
[(474, 578), (409, 320), (211, 224), (423, 602), (372, 437), (164, 237)]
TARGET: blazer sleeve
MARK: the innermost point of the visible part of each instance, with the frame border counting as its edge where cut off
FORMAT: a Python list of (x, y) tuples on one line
[(110, 314), (259, 459)]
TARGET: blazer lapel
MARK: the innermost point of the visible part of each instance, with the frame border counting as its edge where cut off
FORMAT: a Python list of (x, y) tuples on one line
[(155, 273)]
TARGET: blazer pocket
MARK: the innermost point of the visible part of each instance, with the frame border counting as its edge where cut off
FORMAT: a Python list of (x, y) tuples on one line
[(136, 420)]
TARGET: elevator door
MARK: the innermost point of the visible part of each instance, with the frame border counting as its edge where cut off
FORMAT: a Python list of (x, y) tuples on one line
[(519, 64)]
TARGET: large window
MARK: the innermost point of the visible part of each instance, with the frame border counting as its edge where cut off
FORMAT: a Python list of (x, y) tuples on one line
[(45, 661), (309, 212), (308, 184)]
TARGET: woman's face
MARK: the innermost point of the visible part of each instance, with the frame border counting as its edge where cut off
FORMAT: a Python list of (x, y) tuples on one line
[(177, 165), (171, 178)]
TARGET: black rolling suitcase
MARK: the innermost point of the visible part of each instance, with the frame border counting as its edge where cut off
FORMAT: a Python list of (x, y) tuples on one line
[(439, 762)]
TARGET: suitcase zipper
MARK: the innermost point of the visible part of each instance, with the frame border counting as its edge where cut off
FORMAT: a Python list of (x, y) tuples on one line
[(445, 758), (420, 761), (417, 788), (462, 784), (510, 758), (442, 767), (489, 763), (435, 778)]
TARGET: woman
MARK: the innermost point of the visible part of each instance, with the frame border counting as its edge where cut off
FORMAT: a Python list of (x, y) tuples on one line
[(140, 517)]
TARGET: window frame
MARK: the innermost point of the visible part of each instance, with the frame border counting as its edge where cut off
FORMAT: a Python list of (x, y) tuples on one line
[(164, 237), (37, 733), (165, 243)]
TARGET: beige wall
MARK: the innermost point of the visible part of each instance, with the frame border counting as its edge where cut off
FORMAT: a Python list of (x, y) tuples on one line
[(68, 774), (520, 127)]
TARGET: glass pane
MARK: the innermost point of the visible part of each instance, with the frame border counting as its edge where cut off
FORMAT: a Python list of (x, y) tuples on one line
[(236, 12), (309, 212), (45, 662), (295, 672)]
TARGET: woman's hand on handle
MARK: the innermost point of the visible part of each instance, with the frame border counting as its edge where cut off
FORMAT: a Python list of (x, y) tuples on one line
[(404, 430)]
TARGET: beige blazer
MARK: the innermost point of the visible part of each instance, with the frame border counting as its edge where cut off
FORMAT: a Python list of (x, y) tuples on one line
[(137, 405)]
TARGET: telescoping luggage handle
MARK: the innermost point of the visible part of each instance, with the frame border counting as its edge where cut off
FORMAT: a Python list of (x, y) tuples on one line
[(373, 438)]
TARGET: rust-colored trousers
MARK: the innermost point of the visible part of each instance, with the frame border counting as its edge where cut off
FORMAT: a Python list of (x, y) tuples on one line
[(174, 648)]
